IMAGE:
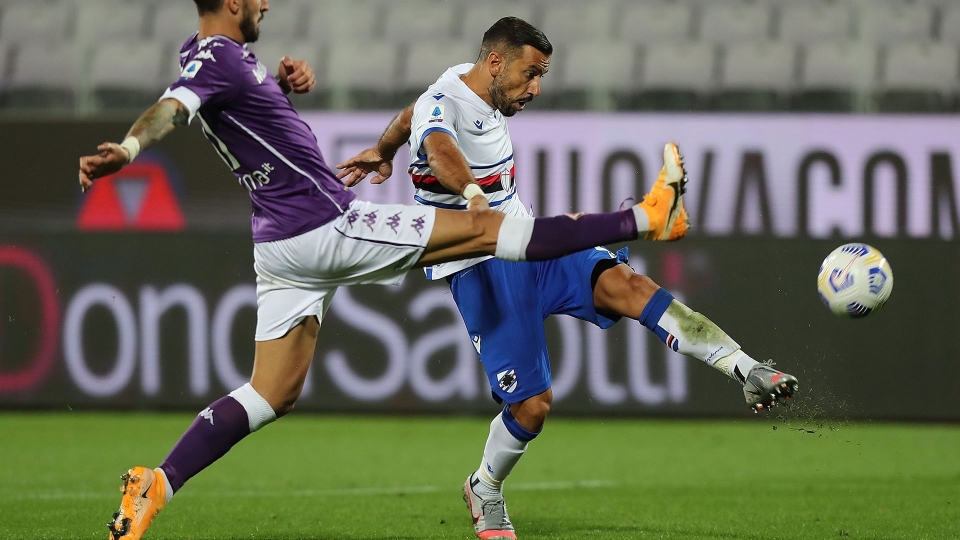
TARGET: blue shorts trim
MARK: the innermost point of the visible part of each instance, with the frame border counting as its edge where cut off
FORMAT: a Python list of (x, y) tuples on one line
[(504, 304)]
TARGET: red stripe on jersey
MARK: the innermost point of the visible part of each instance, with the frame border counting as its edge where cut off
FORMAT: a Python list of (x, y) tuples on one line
[(485, 181)]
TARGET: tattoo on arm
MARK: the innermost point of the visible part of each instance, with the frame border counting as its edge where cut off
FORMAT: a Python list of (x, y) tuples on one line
[(158, 121)]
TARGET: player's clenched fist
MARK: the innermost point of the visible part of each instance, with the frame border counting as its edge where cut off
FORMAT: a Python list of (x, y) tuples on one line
[(112, 158), (295, 76)]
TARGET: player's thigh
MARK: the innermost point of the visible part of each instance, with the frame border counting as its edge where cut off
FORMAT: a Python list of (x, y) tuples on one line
[(462, 234), (566, 285), (501, 308), (288, 321)]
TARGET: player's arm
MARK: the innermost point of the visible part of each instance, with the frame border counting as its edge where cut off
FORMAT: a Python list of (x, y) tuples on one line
[(451, 168), (380, 157), (152, 126)]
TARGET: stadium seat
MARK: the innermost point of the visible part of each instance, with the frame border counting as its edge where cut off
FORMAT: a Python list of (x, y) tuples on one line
[(419, 20), (175, 22), (919, 77), (891, 22), (569, 22), (109, 19), (127, 73), (727, 22), (361, 74), (595, 75), (676, 76), (479, 16), (425, 62), (33, 21), (813, 22), (950, 24), (756, 76), (648, 23), (835, 75), (325, 20), (44, 75), (270, 51), (287, 21)]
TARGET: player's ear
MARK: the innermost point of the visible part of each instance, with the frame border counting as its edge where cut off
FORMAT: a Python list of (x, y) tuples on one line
[(495, 63), (233, 6)]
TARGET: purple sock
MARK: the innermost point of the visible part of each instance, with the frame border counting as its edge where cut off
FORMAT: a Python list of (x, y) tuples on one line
[(212, 434), (554, 237)]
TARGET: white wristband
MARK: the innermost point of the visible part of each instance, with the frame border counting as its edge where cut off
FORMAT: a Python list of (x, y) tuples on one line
[(132, 146), (471, 191)]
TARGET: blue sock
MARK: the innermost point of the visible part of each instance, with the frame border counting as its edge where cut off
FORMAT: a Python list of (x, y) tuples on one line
[(519, 432), (650, 316)]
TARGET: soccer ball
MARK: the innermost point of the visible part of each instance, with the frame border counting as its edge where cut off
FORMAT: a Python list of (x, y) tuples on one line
[(854, 280)]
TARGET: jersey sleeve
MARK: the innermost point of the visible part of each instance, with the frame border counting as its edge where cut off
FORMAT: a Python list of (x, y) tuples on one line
[(211, 76), (437, 112)]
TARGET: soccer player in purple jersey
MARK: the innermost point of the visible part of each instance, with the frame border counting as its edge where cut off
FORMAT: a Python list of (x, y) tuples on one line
[(310, 233), (504, 303)]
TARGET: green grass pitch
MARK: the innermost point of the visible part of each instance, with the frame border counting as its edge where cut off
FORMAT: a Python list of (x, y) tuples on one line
[(344, 477)]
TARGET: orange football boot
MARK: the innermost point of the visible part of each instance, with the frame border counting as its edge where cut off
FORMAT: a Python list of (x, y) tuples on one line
[(664, 204), (144, 495)]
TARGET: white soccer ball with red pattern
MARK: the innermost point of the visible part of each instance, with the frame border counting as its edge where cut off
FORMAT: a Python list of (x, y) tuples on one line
[(855, 280)]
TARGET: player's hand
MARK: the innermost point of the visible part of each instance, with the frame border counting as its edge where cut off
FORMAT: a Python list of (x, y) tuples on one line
[(478, 202), (111, 159), (295, 76), (359, 166)]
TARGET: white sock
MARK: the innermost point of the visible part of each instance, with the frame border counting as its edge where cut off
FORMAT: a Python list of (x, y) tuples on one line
[(699, 337), (737, 365), (168, 489), (500, 454), (513, 238), (643, 220), (259, 412)]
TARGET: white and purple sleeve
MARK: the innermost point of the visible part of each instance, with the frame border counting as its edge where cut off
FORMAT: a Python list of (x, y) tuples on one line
[(211, 76)]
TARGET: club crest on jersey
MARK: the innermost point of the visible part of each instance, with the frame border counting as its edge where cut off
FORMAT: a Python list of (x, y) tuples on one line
[(507, 380), (436, 115), (190, 70)]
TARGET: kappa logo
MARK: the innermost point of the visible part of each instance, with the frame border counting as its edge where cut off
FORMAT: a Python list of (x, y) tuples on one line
[(478, 123), (207, 414), (260, 72), (205, 55), (476, 342), (507, 380)]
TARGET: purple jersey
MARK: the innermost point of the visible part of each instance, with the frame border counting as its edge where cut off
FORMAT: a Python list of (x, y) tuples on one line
[(256, 131)]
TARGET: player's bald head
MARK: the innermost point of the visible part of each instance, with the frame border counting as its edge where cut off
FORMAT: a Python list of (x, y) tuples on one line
[(508, 37), (208, 6)]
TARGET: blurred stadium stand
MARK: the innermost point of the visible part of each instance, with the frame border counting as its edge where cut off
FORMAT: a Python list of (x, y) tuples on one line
[(86, 56)]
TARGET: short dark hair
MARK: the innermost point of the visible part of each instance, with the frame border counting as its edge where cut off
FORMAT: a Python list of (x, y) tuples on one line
[(208, 6), (508, 36)]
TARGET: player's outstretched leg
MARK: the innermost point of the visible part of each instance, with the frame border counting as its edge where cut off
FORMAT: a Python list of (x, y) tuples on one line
[(690, 333)]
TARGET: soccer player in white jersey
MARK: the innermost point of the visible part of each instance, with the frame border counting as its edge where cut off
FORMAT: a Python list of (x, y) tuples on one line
[(458, 133), (310, 233)]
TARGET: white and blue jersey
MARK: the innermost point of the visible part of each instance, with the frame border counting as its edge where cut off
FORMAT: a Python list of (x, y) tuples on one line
[(450, 106)]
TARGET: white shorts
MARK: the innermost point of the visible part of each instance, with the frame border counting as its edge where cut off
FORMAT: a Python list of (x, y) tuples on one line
[(369, 244)]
